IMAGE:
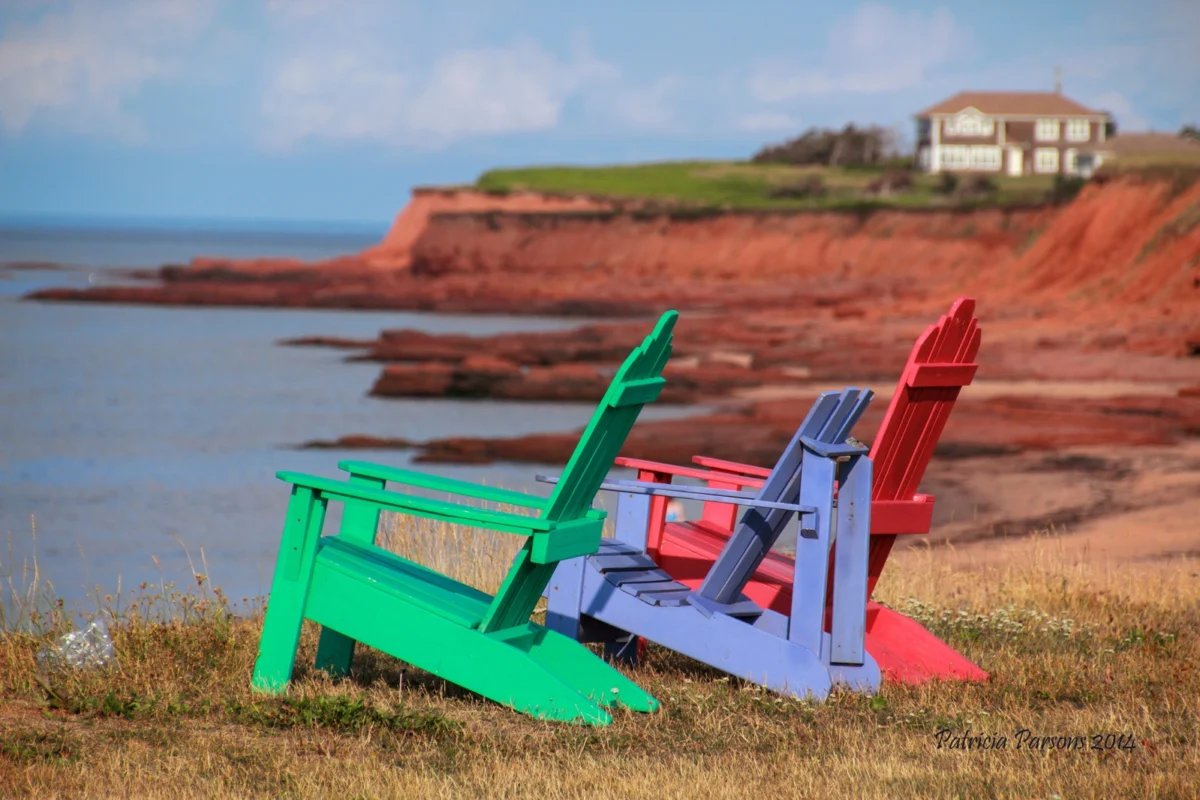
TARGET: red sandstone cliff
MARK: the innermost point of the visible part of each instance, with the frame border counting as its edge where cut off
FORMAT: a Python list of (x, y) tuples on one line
[(1127, 244), (727, 248), (394, 252), (1126, 248)]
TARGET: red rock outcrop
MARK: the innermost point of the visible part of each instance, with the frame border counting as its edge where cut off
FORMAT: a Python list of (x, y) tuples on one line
[(487, 376), (758, 433), (588, 343)]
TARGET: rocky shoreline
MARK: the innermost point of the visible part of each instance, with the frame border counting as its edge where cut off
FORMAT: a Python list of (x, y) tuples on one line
[(774, 303), (1085, 410)]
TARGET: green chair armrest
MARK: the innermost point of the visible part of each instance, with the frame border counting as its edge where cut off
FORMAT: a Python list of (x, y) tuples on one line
[(414, 478), (407, 504), (580, 537)]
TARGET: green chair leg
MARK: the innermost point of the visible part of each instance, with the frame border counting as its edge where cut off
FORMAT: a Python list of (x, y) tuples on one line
[(335, 653), (289, 590)]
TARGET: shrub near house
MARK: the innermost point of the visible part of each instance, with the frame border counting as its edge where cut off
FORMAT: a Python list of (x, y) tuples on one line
[(1014, 133)]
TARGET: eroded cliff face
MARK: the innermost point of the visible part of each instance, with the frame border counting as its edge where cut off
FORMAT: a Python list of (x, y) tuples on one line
[(732, 247), (1126, 249), (1126, 245), (394, 252)]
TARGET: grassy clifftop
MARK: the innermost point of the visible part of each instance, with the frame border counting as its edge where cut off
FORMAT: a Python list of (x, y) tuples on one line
[(745, 185)]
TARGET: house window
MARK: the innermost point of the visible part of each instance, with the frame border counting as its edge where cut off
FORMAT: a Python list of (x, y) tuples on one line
[(1078, 130), (969, 125), (1087, 163), (954, 156), (1047, 130), (1045, 159), (983, 157), (1071, 161)]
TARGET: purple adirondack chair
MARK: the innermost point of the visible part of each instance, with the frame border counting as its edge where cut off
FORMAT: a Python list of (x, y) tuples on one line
[(620, 594)]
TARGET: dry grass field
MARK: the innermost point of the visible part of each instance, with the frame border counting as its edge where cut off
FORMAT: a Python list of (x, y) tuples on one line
[(1095, 693)]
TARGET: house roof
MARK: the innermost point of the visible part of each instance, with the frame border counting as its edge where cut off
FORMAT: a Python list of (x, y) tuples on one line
[(1012, 103)]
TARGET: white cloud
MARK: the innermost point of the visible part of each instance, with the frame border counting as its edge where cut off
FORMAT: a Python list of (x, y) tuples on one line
[(347, 95), (393, 72), (373, 76), (81, 65), (647, 108), (875, 50), (499, 90), (404, 73)]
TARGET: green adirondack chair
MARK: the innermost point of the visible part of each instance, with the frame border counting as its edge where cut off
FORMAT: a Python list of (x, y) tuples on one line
[(360, 592)]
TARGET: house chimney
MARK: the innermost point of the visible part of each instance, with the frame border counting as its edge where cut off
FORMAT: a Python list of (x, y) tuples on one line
[(1058, 80)]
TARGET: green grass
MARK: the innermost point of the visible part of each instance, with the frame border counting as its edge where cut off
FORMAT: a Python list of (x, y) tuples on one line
[(742, 185)]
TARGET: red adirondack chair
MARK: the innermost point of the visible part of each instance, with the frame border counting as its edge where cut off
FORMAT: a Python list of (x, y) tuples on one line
[(941, 363)]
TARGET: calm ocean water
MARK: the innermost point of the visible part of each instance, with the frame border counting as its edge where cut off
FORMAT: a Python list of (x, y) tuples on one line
[(123, 427)]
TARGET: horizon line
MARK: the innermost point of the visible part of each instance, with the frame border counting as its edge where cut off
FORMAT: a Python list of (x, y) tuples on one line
[(135, 222)]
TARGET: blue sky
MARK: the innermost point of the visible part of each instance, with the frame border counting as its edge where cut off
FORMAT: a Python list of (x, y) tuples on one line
[(333, 109)]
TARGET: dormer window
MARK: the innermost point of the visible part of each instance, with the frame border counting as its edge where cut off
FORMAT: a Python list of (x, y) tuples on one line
[(969, 124)]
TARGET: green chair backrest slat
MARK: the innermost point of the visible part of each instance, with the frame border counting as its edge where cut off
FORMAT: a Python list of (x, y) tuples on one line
[(636, 383), (639, 393)]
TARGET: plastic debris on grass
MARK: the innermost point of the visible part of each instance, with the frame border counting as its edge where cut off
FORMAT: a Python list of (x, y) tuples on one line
[(88, 648)]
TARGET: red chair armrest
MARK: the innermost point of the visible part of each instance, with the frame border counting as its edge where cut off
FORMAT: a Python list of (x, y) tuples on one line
[(735, 467)]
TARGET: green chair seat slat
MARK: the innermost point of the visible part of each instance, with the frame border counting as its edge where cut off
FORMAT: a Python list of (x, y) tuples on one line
[(392, 560), (436, 482), (411, 582)]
